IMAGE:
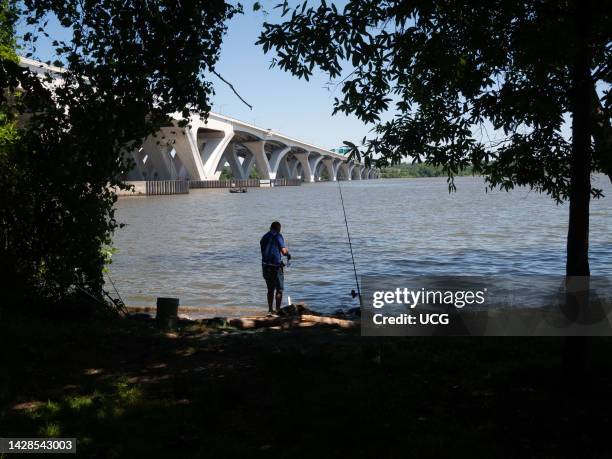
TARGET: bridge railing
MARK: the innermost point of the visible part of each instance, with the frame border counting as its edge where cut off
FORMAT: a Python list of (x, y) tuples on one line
[(242, 183), (167, 187), (159, 187), (286, 182), (224, 183)]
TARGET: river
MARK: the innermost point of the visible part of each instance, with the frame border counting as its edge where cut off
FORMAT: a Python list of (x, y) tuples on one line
[(204, 247)]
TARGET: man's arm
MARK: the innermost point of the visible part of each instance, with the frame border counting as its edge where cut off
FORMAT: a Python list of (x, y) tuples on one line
[(283, 247)]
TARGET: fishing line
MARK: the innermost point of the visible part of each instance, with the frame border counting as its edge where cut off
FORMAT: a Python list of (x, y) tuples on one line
[(348, 234)]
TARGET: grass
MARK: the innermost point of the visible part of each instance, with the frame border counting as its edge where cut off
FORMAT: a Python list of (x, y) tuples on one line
[(125, 389)]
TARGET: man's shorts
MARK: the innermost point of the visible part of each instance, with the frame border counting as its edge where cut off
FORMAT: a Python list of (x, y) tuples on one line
[(275, 279)]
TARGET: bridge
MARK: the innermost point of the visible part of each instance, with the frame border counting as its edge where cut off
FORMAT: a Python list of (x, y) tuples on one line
[(200, 151)]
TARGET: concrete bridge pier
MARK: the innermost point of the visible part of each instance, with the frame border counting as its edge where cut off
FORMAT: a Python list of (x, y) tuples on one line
[(240, 170), (284, 170), (257, 149), (307, 169), (332, 165)]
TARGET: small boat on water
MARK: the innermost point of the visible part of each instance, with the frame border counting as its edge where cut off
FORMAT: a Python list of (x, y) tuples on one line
[(238, 190)]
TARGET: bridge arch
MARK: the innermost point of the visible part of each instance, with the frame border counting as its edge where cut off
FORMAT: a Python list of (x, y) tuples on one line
[(364, 173), (204, 148), (342, 173), (320, 173)]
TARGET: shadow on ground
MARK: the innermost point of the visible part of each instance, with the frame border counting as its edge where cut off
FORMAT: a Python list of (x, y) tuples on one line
[(123, 389)]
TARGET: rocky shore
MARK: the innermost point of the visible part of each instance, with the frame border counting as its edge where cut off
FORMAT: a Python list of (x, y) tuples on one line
[(291, 316)]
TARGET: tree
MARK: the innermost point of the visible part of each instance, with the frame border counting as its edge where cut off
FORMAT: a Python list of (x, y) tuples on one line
[(127, 66), (453, 69), (8, 125)]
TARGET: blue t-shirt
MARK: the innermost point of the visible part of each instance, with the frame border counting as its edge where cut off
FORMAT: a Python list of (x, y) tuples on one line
[(271, 244)]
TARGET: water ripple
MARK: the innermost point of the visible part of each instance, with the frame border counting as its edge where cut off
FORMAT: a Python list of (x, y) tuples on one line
[(204, 247)]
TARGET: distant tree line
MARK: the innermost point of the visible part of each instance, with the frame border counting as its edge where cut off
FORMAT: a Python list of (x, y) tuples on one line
[(405, 170), (227, 174)]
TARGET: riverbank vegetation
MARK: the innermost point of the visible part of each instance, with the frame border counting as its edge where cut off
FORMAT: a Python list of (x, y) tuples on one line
[(404, 170), (75, 139), (125, 389)]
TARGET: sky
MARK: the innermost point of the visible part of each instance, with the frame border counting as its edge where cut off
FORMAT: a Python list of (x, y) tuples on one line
[(281, 102)]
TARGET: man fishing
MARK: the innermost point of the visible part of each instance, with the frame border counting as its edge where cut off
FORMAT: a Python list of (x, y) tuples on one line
[(272, 249)]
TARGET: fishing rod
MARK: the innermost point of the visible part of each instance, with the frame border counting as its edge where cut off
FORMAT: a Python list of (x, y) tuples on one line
[(115, 288), (348, 234), (118, 303)]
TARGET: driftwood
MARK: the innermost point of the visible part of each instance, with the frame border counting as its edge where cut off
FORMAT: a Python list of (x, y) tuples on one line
[(246, 323), (298, 320), (342, 323)]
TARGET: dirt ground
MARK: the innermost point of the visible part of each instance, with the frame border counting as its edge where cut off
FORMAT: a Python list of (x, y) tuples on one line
[(125, 389)]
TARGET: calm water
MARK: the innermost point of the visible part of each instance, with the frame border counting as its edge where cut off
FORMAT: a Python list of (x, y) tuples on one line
[(204, 247)]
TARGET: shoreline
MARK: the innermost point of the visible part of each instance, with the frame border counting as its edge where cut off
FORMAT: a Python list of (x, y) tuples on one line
[(292, 316)]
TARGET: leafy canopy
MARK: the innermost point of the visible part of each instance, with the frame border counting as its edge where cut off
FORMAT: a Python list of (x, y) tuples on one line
[(126, 66), (467, 83)]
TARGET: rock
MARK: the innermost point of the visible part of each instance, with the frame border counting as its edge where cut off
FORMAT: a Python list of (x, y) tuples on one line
[(295, 310)]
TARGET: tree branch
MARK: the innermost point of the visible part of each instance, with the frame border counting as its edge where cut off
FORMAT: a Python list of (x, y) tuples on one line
[(233, 89)]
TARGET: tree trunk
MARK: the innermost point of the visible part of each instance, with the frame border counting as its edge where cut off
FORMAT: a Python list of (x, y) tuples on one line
[(580, 186), (580, 166)]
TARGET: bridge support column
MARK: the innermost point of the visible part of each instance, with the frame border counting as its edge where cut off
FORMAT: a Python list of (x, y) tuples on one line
[(258, 150), (344, 168), (318, 171), (314, 159), (307, 167), (186, 152), (211, 150), (332, 166), (136, 172), (158, 161), (276, 159), (238, 171), (292, 167), (286, 169), (363, 173)]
